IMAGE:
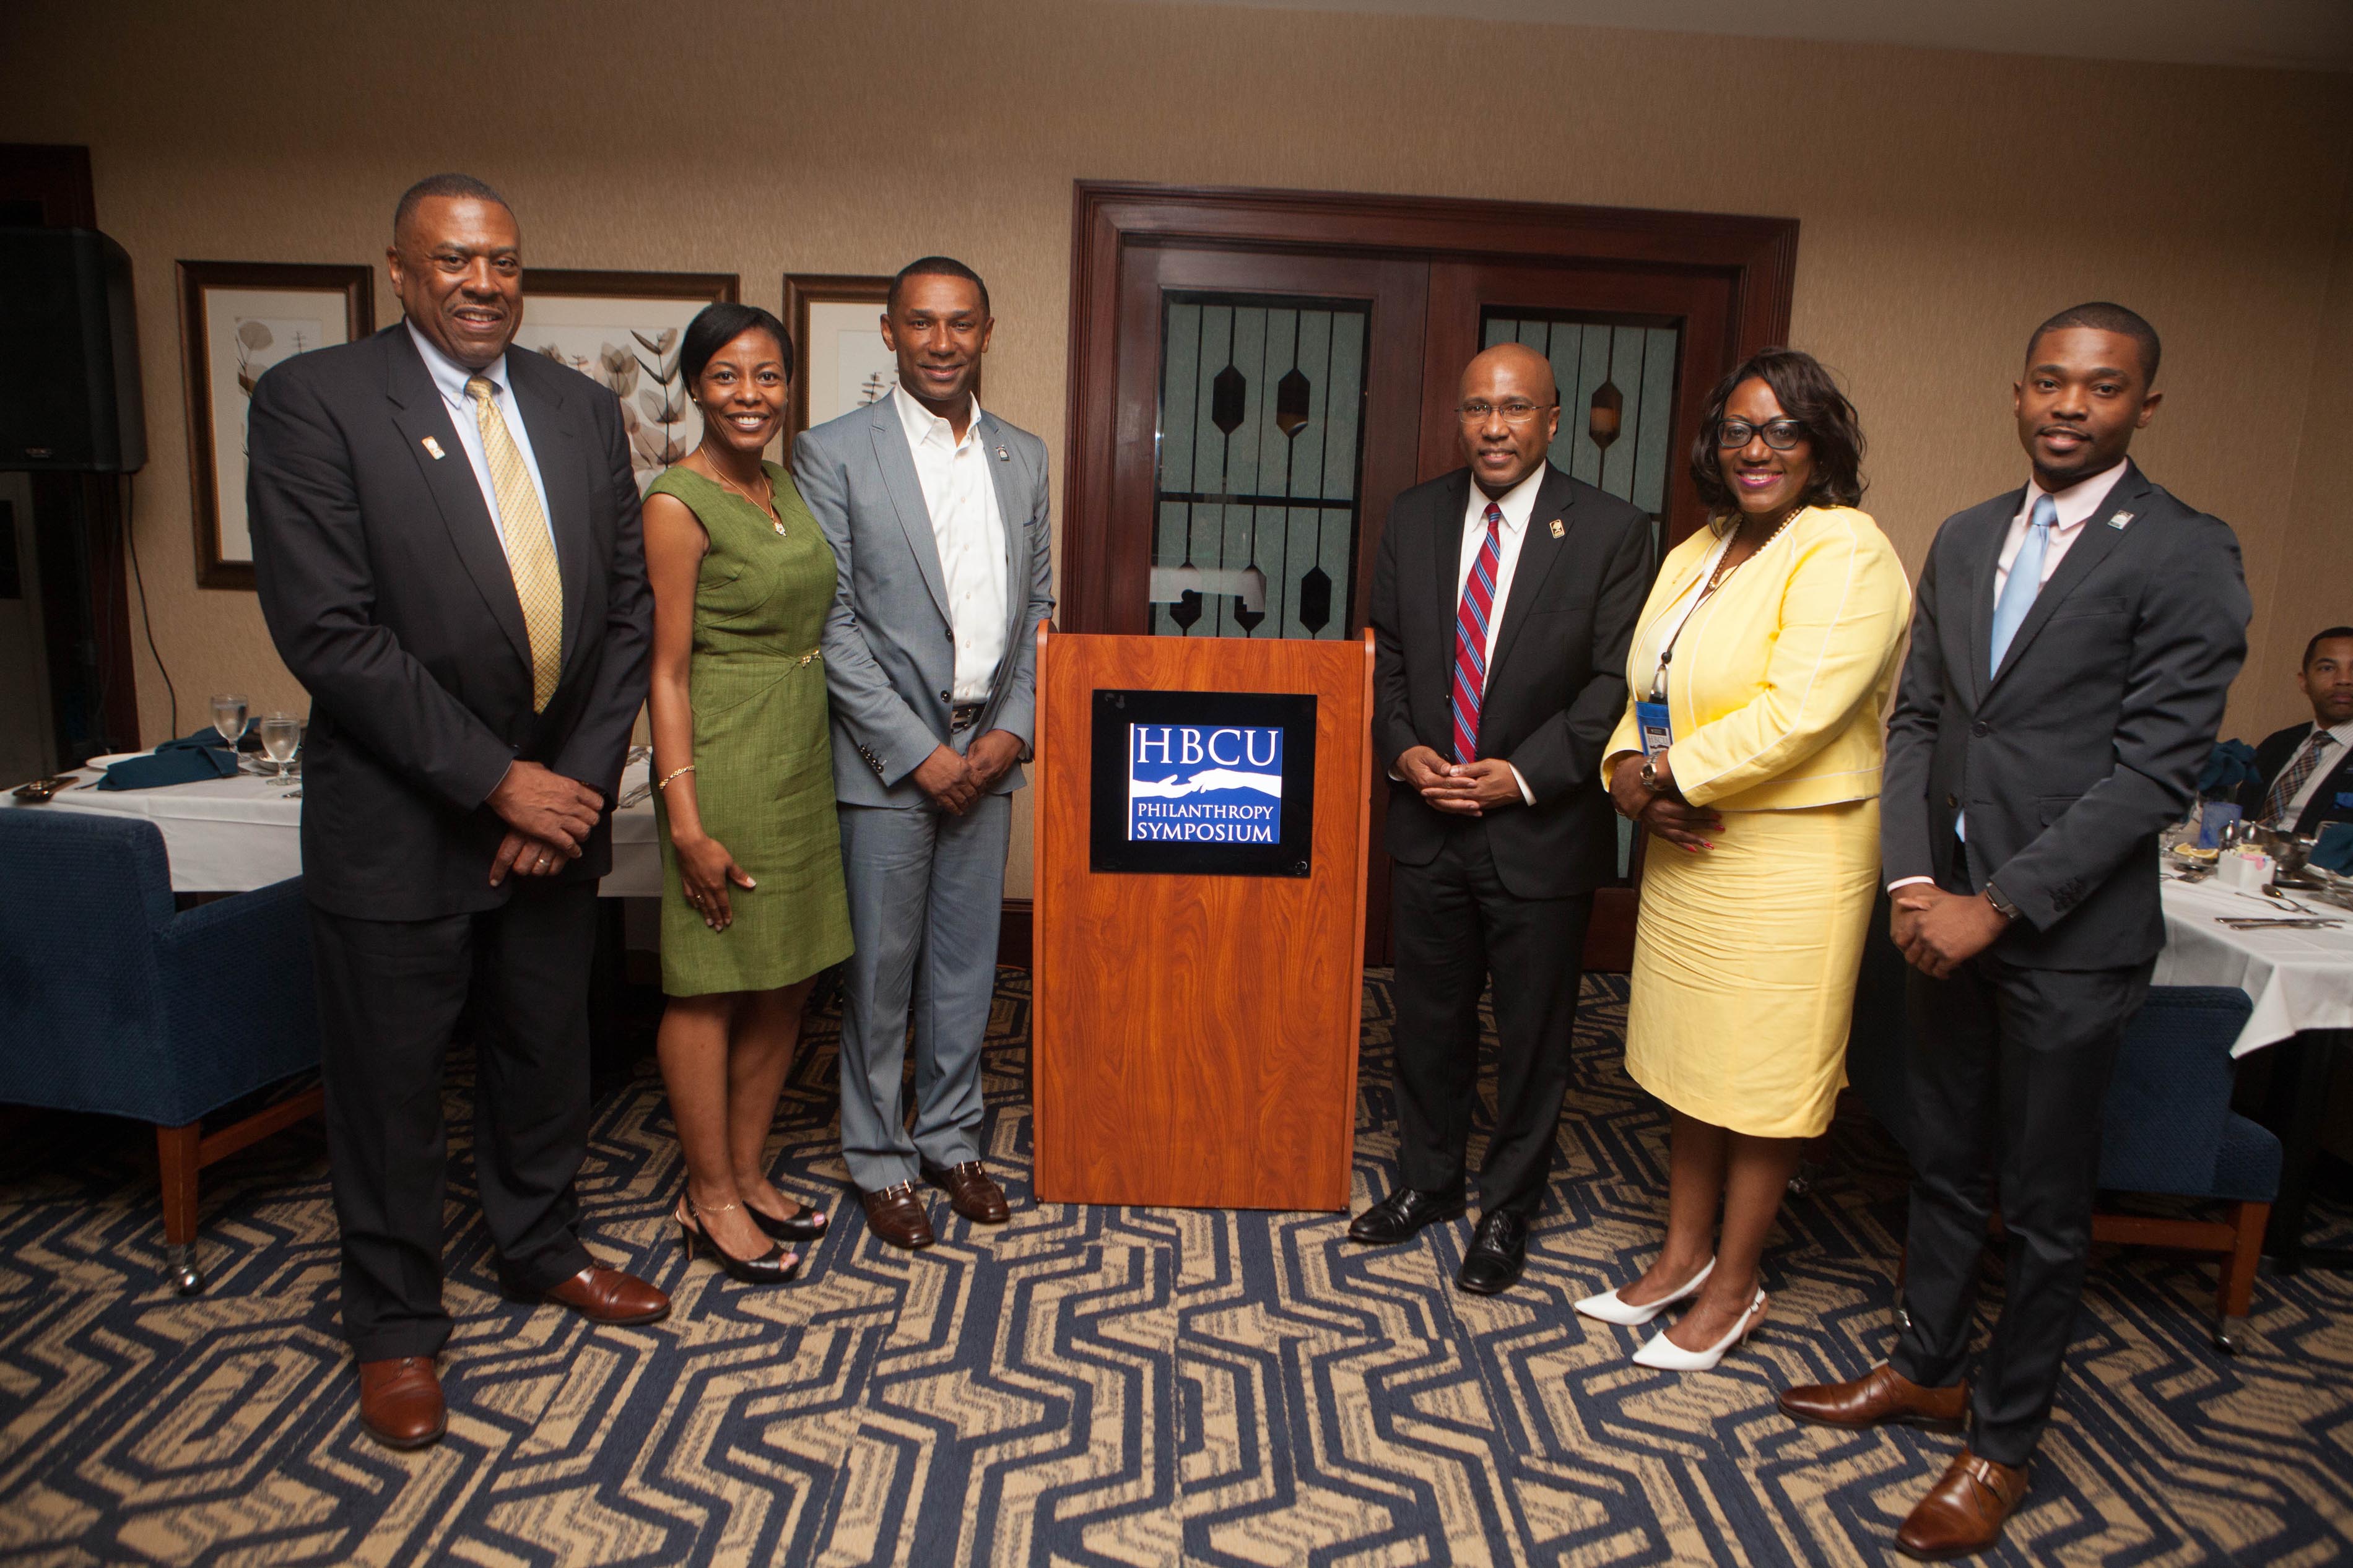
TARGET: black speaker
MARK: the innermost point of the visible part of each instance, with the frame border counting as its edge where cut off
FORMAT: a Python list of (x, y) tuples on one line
[(69, 353)]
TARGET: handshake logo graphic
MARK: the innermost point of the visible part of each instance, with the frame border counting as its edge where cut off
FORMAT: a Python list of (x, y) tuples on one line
[(1203, 784)]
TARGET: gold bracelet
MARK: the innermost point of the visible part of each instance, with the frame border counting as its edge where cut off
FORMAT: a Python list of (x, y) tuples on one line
[(664, 785)]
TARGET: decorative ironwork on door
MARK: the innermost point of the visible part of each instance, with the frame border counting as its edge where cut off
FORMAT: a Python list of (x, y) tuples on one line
[(1617, 377), (1256, 504)]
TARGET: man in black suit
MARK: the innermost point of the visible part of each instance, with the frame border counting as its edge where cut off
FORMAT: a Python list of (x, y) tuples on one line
[(446, 542), (1503, 604), (2072, 646), (2303, 773)]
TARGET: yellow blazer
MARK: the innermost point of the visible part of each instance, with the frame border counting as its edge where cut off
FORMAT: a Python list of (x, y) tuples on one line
[(1780, 681)]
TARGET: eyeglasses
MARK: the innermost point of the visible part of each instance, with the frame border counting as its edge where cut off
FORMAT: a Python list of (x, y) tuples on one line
[(1516, 411), (1779, 434)]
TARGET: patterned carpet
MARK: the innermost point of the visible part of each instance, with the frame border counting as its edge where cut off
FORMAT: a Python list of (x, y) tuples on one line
[(1088, 1386)]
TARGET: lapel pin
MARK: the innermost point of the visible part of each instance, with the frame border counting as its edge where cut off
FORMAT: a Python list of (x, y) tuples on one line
[(2119, 518), (1558, 530), (1003, 455), (433, 449)]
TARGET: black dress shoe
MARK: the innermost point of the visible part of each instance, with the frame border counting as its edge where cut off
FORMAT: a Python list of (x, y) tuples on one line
[(1397, 1217), (805, 1226), (1498, 1251)]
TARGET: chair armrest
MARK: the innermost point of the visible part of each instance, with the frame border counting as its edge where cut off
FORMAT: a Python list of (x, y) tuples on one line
[(238, 995)]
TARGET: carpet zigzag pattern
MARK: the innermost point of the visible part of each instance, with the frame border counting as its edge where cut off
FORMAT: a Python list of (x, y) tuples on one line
[(1089, 1386)]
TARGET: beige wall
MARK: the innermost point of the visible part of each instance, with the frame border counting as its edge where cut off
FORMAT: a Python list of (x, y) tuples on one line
[(1949, 200)]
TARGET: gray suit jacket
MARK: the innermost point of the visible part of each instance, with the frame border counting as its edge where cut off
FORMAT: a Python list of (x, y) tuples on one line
[(889, 654), (2088, 740)]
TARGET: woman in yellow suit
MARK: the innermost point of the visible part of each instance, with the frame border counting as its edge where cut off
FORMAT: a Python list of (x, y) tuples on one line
[(1759, 673)]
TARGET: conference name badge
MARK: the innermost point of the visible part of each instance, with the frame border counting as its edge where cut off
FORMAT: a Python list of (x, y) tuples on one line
[(1651, 722)]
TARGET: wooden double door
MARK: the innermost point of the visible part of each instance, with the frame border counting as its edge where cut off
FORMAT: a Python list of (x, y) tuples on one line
[(1257, 375)]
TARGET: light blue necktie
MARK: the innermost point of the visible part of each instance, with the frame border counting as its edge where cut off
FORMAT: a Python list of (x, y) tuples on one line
[(2025, 579)]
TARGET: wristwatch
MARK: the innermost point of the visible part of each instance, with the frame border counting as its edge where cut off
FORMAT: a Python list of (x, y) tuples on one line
[(1650, 775), (2000, 902)]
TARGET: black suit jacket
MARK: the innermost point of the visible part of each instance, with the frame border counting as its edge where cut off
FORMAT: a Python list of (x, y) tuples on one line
[(2331, 802), (1555, 679), (387, 590), (2089, 739)]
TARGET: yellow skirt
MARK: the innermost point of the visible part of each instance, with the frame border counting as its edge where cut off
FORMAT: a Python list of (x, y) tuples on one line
[(1745, 963)]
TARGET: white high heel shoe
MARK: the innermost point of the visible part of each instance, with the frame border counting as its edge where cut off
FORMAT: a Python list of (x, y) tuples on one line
[(1607, 1308), (1664, 1354)]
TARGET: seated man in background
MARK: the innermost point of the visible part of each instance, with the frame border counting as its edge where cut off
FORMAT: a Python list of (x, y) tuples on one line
[(2303, 773)]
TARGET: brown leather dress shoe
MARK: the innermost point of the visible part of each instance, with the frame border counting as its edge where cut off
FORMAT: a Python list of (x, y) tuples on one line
[(1964, 1512), (1880, 1396), (608, 1296), (400, 1402), (897, 1215), (971, 1191)]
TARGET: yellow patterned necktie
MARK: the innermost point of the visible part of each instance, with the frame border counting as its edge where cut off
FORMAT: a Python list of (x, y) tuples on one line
[(531, 551)]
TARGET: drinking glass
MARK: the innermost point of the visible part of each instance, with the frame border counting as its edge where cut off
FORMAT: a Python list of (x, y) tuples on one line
[(281, 733), (228, 718)]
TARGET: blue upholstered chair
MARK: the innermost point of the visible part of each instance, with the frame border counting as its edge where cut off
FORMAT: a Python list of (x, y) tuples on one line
[(110, 1002), (2170, 1129), (2167, 1126)]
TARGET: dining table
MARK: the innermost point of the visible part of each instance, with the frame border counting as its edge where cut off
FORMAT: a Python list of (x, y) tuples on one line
[(234, 835), (2299, 978)]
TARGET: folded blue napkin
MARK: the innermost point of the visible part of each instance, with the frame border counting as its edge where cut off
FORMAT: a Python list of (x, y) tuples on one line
[(2229, 764), (2334, 850), (184, 761), (208, 736)]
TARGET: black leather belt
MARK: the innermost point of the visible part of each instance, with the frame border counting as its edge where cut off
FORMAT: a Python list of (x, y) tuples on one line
[(963, 716)]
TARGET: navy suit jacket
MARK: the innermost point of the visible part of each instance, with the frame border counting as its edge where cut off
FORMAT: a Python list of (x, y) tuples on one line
[(2331, 802), (2087, 742), (1555, 679), (387, 590)]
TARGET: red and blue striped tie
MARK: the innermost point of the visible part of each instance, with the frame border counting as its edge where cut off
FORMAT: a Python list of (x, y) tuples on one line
[(1470, 620)]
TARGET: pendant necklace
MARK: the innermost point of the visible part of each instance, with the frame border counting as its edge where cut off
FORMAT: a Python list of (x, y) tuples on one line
[(767, 507)]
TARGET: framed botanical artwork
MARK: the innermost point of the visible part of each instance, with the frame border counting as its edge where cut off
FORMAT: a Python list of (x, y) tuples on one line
[(237, 320), (837, 326), (622, 328)]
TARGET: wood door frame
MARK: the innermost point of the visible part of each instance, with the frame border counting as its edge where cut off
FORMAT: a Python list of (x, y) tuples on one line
[(1107, 217)]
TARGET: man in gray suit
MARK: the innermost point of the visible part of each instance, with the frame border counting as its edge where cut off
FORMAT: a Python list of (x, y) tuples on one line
[(937, 514), (2071, 647)]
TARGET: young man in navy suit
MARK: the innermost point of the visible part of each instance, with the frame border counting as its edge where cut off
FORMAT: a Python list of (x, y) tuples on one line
[(2303, 773), (2072, 643)]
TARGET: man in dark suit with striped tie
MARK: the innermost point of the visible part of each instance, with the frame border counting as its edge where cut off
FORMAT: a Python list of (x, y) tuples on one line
[(2303, 773), (1503, 604)]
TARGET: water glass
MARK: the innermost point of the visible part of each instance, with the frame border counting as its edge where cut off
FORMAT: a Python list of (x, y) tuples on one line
[(228, 718), (281, 736)]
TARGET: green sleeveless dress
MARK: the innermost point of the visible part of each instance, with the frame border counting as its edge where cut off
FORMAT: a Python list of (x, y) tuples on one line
[(763, 757)]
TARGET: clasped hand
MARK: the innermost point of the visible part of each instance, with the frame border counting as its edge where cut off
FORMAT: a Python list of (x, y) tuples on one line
[(1684, 826), (1460, 789), (1938, 931), (954, 782), (548, 818)]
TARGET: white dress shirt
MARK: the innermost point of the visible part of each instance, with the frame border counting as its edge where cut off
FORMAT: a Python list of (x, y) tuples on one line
[(449, 379), (969, 526), (2330, 758), (2074, 505), (1518, 505)]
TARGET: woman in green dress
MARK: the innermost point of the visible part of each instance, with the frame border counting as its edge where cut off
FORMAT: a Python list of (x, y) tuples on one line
[(753, 900)]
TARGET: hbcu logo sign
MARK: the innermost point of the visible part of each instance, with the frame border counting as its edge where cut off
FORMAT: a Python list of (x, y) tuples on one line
[(1204, 784)]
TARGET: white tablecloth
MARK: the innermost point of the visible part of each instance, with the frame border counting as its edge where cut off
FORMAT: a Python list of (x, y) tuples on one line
[(2298, 979), (229, 835)]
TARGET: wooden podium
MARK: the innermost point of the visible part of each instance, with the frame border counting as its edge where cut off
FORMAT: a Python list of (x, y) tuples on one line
[(1194, 1035)]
